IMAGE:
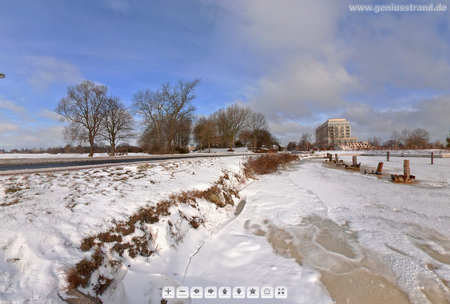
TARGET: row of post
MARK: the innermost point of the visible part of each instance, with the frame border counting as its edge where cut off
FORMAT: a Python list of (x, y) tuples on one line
[(432, 157)]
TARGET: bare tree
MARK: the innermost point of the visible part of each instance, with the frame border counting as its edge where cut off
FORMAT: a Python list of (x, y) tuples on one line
[(257, 123), (118, 123), (419, 138), (305, 141), (396, 138), (405, 138), (291, 146), (205, 131), (232, 120), (179, 104), (84, 108), (163, 110)]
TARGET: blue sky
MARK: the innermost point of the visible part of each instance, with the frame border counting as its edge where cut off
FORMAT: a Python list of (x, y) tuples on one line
[(298, 62)]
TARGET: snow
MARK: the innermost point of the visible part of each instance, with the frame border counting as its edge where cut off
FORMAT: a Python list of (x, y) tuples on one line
[(299, 228)]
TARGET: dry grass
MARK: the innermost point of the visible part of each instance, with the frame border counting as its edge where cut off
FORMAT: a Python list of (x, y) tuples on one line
[(80, 274), (13, 189), (267, 163), (102, 285), (10, 203)]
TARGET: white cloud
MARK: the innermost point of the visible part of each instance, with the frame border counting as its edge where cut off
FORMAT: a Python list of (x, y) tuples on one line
[(8, 127), (42, 72), (46, 113), (11, 105), (429, 114), (30, 137)]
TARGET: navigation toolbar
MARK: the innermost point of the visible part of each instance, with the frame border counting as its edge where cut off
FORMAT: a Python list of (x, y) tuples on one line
[(224, 292)]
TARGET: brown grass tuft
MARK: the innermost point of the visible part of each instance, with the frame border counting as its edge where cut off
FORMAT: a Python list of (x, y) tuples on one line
[(87, 243), (107, 237), (80, 274), (102, 285)]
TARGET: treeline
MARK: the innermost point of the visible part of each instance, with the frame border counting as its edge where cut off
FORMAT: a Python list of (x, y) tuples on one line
[(409, 139), (167, 120), (234, 126)]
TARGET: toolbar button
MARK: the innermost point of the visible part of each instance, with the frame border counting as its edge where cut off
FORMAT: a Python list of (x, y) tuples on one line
[(196, 292), (225, 292), (211, 292), (182, 292), (239, 292), (168, 292), (267, 292), (281, 292), (253, 292)]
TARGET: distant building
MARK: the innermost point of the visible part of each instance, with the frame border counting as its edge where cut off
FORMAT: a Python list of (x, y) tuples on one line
[(334, 133), (359, 146)]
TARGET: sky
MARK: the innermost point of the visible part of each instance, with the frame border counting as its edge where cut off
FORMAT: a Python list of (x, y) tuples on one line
[(298, 62)]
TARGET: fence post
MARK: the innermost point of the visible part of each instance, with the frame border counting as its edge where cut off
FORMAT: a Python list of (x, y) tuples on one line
[(432, 156), (380, 167), (406, 169), (387, 156)]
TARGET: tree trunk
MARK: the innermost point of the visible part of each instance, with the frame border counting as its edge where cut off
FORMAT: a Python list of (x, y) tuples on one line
[(91, 143), (231, 143), (209, 147), (113, 144), (254, 143)]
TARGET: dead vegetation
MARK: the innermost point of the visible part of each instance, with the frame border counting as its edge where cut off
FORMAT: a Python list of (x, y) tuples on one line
[(266, 163)]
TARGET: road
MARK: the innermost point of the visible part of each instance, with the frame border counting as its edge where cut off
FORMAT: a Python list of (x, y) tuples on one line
[(30, 165)]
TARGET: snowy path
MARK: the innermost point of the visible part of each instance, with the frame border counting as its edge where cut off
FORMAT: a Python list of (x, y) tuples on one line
[(360, 236)]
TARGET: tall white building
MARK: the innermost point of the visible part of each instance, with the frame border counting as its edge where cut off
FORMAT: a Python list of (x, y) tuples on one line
[(333, 133)]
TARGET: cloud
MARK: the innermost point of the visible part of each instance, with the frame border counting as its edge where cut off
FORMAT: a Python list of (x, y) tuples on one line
[(43, 72), (31, 137), (11, 105), (301, 88), (8, 127), (429, 114), (49, 114)]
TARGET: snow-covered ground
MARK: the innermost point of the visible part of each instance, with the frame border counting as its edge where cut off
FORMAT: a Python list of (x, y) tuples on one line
[(323, 233)]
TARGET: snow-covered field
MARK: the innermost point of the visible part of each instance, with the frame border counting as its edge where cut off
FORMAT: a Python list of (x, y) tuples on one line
[(323, 233)]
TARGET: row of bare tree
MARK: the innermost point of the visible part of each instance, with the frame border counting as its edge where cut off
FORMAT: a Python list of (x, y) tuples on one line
[(233, 123), (167, 119), (410, 139)]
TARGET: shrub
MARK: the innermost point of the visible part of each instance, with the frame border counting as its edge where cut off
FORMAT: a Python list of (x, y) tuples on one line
[(267, 163)]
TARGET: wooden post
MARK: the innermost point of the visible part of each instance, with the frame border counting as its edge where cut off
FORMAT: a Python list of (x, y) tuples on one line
[(380, 167), (406, 169), (432, 156), (355, 160), (336, 157), (387, 156)]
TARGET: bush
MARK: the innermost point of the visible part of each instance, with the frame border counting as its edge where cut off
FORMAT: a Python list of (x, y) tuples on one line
[(267, 163), (181, 150)]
